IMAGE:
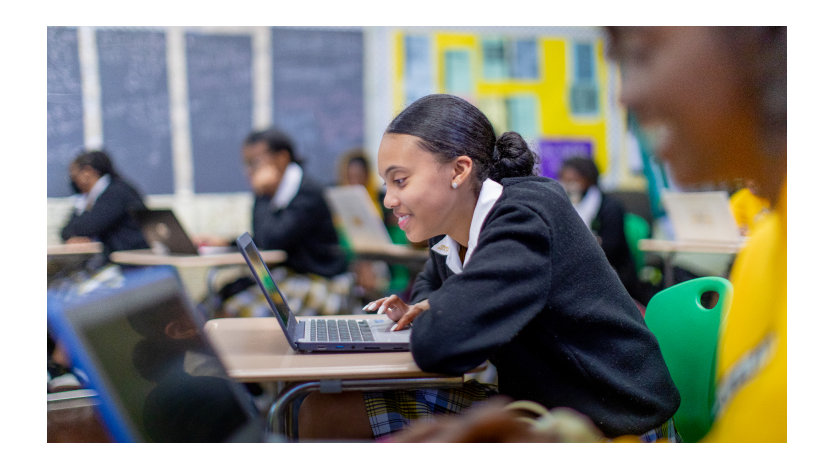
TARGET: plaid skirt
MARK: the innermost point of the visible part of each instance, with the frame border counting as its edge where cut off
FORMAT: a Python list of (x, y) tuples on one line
[(306, 295), (392, 410)]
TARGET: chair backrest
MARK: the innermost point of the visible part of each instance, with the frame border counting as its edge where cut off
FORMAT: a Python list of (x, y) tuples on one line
[(687, 332), (636, 228)]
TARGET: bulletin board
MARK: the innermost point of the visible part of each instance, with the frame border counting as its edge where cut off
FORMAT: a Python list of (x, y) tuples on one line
[(220, 108), (64, 107), (135, 106), (548, 89)]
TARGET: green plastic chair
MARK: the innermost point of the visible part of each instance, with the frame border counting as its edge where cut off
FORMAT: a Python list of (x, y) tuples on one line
[(688, 336)]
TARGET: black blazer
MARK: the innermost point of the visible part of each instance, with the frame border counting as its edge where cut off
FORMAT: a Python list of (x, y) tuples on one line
[(304, 229), (109, 220), (539, 299)]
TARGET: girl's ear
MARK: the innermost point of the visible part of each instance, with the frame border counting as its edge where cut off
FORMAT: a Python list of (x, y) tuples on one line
[(461, 169)]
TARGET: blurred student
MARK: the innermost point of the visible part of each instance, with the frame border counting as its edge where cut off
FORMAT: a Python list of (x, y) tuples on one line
[(103, 205), (289, 214), (372, 277), (514, 277), (605, 217), (714, 101)]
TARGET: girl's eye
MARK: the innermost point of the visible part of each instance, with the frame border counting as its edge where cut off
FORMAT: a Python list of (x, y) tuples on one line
[(399, 181)]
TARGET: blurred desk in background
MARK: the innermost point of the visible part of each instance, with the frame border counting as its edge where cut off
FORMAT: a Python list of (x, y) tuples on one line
[(198, 272), (413, 258), (669, 248), (64, 259)]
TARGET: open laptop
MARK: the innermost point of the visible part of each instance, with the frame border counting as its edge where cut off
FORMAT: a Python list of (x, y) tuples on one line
[(701, 217), (325, 333), (355, 210), (165, 235), (137, 338)]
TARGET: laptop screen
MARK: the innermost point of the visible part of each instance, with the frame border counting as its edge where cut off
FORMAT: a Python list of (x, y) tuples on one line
[(265, 281), (157, 378)]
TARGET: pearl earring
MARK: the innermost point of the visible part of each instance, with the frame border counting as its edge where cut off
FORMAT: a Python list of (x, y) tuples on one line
[(454, 185)]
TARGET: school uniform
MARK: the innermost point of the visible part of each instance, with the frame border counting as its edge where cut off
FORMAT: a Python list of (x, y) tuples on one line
[(314, 278), (296, 219), (536, 297), (104, 214)]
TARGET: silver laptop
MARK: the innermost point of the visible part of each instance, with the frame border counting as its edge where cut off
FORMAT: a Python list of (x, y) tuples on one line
[(326, 333), (165, 235), (701, 217), (356, 212)]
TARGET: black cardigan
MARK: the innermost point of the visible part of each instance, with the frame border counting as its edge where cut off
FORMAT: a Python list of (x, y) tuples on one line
[(540, 301), (109, 220), (304, 229)]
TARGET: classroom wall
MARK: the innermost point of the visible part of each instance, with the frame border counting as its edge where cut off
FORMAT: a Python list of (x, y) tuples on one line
[(172, 104)]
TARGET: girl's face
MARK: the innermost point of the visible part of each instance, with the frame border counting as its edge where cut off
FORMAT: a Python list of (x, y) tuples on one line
[(419, 189), (688, 92)]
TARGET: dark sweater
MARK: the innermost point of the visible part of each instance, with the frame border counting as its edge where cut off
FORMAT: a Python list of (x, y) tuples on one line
[(304, 229), (109, 220), (540, 301)]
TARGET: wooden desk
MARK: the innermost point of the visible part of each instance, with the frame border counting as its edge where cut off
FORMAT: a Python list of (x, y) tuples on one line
[(213, 262), (668, 249), (413, 258), (91, 248), (67, 258), (256, 350), (149, 258)]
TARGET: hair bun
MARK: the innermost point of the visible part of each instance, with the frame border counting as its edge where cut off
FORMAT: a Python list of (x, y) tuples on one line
[(512, 157)]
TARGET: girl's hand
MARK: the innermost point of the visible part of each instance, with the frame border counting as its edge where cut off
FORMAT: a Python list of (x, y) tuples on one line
[(397, 310)]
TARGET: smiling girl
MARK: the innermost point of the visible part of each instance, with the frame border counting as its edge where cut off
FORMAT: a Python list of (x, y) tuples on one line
[(514, 277)]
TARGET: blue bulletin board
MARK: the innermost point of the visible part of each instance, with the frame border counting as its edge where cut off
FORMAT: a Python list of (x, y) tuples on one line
[(318, 94), (220, 108), (136, 124), (64, 107)]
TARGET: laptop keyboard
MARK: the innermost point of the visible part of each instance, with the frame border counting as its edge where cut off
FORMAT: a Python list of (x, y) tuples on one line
[(340, 330)]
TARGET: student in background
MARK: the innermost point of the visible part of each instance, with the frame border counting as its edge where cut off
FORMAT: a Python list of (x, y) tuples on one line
[(104, 201), (605, 217), (714, 101), (372, 277), (289, 214), (514, 277)]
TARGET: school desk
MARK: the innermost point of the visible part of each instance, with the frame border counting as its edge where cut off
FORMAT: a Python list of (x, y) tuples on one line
[(213, 261), (668, 249), (256, 350), (413, 258), (63, 259)]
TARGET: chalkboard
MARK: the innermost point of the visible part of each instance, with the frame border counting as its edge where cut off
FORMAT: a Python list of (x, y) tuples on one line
[(220, 107), (64, 108), (136, 123), (317, 94)]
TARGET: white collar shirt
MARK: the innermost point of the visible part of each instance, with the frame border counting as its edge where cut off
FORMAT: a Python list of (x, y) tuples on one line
[(290, 183), (85, 201)]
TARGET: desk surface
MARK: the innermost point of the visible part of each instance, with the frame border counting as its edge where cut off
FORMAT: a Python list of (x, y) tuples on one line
[(255, 349), (148, 258), (677, 246), (391, 253), (74, 249)]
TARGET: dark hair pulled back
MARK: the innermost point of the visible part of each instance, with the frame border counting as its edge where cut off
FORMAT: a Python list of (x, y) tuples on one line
[(449, 126), (98, 160)]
